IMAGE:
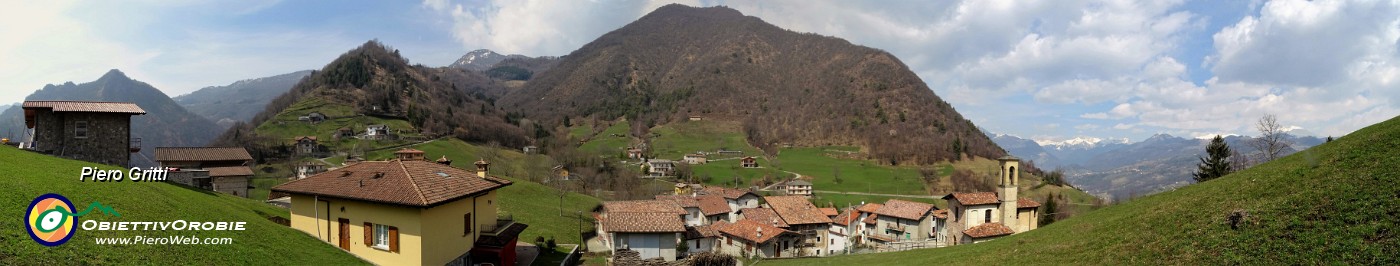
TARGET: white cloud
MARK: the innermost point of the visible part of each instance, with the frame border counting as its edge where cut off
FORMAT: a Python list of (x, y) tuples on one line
[(44, 45), (537, 27)]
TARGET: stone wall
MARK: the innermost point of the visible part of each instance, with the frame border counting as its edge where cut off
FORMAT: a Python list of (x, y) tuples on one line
[(108, 137), (236, 185)]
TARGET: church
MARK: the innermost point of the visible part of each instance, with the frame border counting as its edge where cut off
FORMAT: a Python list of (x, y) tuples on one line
[(981, 216)]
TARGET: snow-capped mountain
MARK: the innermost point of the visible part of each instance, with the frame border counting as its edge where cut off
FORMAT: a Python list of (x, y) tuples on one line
[(481, 59), (1082, 143)]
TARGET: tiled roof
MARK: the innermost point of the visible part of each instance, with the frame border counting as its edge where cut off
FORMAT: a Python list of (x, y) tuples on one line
[(870, 207), (905, 209), (763, 215), (299, 138), (410, 183), (870, 219), (683, 201), (649, 206), (1026, 203), (644, 222), (846, 217), (713, 205), (941, 214), (230, 171), (829, 211), (753, 231), (167, 154), (988, 230), (704, 231), (796, 210), (83, 106), (974, 198), (728, 193)]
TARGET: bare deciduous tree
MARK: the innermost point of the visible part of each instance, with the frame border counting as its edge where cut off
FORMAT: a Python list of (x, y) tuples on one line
[(1271, 141)]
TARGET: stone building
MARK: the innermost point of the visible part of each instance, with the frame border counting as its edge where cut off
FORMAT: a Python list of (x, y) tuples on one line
[(222, 169), (98, 132)]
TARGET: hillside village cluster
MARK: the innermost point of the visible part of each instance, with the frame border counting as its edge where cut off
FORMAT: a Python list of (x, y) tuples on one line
[(414, 210)]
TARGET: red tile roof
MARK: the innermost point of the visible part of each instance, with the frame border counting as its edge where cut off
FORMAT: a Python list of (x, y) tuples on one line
[(683, 201), (171, 154), (728, 193), (753, 231), (713, 205), (643, 222), (941, 214), (763, 215), (632, 206), (905, 209), (974, 198), (846, 217), (405, 150), (1026, 203), (829, 211), (230, 171), (409, 183), (85, 106), (988, 230), (796, 210), (870, 207), (704, 231)]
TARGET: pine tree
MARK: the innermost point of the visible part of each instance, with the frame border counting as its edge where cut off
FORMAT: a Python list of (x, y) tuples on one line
[(1050, 210), (1217, 162)]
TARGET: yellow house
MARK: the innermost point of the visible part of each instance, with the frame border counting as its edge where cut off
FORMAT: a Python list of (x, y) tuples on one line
[(406, 213)]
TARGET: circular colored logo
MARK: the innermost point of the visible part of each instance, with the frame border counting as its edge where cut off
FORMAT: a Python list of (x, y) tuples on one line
[(49, 219)]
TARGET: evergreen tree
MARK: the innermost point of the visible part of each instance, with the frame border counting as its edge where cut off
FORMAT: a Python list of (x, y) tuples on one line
[(1217, 162), (1050, 210)]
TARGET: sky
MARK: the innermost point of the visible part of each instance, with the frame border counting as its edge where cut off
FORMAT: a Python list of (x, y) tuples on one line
[(1046, 70)]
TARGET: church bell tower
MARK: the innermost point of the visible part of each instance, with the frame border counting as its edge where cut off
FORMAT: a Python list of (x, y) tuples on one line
[(1006, 190)]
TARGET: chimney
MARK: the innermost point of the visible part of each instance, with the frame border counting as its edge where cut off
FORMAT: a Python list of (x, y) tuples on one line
[(481, 166), (444, 160), (760, 231)]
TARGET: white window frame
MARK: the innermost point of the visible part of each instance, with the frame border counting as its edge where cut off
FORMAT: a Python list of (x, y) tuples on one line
[(81, 129), (381, 236)]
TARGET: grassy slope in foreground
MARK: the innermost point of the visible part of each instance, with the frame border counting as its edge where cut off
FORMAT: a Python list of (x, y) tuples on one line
[(28, 175), (1336, 202)]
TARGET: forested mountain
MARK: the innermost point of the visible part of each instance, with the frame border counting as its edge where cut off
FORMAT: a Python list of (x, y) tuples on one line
[(165, 123), (787, 87), (240, 100), (375, 80)]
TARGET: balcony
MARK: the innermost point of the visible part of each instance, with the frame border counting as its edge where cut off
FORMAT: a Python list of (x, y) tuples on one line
[(502, 222)]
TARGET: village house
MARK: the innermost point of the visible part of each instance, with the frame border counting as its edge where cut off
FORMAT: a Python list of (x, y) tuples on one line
[(377, 132), (804, 219), (982, 216), (406, 212), (634, 153), (313, 117), (747, 238), (309, 168), (748, 162), (222, 169), (410, 154), (901, 220), (798, 187), (660, 167), (842, 231), (866, 227), (700, 210), (98, 132), (694, 158), (307, 146), (652, 228), (764, 216), (735, 198), (702, 238)]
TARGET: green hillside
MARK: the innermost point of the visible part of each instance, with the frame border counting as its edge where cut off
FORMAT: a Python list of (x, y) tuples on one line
[(611, 142), (286, 126), (1334, 203), (28, 175)]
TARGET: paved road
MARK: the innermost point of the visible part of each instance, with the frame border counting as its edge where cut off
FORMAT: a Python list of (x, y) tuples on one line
[(878, 194)]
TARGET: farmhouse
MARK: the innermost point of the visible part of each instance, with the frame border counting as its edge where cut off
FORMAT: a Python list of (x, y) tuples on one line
[(344, 133), (652, 228), (659, 167), (410, 154), (377, 132), (222, 169), (307, 145), (799, 187), (804, 219), (747, 238), (694, 158), (748, 162), (98, 132), (735, 198), (982, 216), (406, 213), (901, 220)]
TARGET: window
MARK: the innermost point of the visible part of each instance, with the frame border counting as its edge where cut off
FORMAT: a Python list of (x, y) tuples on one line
[(80, 129), (467, 224), (988, 215), (381, 236)]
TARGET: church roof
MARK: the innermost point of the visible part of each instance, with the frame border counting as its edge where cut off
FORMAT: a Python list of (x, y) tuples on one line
[(974, 198), (988, 230)]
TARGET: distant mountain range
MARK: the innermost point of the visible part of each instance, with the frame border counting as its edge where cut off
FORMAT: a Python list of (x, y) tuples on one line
[(1117, 167), (239, 101), (165, 123), (482, 59)]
